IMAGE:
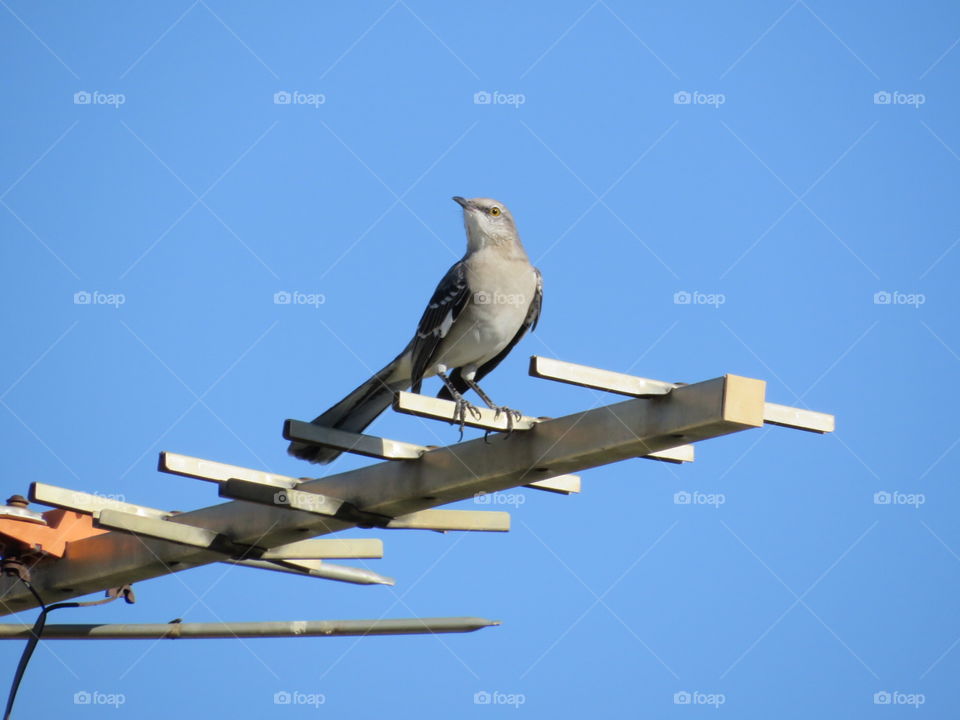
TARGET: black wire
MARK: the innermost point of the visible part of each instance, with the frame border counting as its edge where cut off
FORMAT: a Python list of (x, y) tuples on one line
[(32, 641)]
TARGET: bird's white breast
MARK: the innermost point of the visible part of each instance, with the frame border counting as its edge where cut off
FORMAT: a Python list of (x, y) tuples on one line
[(501, 295)]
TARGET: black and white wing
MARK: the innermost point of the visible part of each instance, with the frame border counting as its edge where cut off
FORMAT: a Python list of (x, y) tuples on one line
[(448, 301)]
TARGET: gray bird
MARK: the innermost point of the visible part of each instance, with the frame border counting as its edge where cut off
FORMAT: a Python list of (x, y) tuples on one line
[(480, 310)]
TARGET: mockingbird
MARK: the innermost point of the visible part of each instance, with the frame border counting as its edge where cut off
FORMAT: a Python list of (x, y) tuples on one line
[(482, 307)]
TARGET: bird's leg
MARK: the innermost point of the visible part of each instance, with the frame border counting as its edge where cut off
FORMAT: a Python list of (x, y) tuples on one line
[(512, 415), (463, 406)]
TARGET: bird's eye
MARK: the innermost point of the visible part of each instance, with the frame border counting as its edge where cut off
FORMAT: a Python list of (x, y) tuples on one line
[(494, 211)]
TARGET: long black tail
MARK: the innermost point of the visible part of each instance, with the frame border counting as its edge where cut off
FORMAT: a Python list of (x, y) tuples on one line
[(355, 411)]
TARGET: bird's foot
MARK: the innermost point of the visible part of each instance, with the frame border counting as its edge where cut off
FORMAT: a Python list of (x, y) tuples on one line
[(460, 413), (512, 415)]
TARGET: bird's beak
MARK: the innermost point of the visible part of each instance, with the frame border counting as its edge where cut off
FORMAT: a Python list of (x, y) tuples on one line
[(462, 202)]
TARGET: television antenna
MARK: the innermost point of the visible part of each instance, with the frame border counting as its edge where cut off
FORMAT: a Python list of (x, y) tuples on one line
[(88, 543)]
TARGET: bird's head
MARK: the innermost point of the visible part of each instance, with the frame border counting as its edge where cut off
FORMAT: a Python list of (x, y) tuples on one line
[(487, 222)]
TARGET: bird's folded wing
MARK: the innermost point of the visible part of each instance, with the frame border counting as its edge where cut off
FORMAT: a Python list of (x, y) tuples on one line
[(448, 301)]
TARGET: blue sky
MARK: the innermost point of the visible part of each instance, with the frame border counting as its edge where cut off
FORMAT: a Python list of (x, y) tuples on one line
[(803, 200)]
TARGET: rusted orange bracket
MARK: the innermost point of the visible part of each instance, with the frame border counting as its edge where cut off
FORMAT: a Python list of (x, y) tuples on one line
[(50, 539)]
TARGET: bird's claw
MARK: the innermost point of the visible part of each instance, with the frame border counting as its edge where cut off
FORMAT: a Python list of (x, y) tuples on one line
[(512, 416), (460, 413)]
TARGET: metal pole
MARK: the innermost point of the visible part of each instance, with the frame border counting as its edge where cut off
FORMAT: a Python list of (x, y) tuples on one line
[(279, 629)]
